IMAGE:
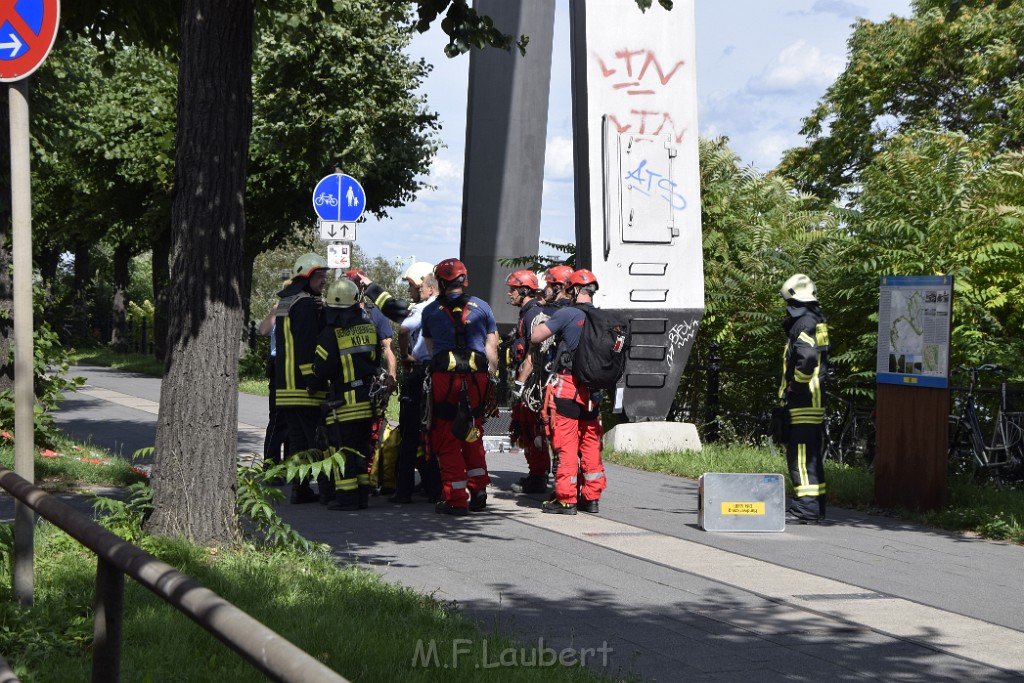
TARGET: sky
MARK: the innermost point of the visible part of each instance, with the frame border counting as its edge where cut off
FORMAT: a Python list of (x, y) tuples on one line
[(762, 65)]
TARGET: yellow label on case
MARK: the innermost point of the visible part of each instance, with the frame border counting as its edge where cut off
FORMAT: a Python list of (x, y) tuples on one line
[(743, 508)]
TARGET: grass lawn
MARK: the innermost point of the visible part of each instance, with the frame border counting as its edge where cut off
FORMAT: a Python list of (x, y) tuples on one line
[(345, 616)]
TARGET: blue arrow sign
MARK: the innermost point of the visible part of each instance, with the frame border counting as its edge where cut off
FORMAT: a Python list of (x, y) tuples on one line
[(339, 197)]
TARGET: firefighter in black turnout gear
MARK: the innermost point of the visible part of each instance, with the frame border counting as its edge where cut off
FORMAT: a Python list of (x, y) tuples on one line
[(802, 391), (347, 359), (300, 318)]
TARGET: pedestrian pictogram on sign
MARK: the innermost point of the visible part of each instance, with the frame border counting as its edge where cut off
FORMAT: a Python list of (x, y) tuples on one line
[(27, 31), (338, 198)]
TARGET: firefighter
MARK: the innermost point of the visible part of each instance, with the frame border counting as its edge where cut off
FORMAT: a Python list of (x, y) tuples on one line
[(556, 285), (415, 360), (526, 428), (300, 318), (574, 415), (462, 339), (348, 357), (802, 391)]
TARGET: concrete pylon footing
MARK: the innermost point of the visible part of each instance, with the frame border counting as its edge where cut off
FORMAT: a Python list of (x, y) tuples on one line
[(652, 437)]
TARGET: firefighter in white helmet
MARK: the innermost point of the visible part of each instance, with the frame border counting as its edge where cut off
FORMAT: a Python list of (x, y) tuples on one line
[(802, 392)]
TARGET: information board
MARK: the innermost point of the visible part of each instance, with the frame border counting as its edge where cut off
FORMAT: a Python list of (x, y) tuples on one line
[(914, 315)]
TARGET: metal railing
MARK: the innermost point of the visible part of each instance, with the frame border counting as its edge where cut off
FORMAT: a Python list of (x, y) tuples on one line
[(264, 649)]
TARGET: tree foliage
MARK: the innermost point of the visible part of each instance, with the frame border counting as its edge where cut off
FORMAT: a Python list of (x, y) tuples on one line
[(937, 203), (955, 69)]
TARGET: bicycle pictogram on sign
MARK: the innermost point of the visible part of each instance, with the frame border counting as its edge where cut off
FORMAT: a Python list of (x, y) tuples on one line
[(28, 29), (339, 198)]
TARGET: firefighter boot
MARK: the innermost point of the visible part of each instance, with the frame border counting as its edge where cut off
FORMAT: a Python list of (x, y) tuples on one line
[(326, 487), (344, 500), (558, 508), (364, 496), (478, 501), (584, 505), (302, 493)]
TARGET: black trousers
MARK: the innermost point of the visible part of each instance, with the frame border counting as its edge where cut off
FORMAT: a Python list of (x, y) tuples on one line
[(806, 470), (410, 414), (276, 437)]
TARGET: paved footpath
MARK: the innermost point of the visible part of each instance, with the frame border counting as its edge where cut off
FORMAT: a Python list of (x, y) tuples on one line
[(641, 590)]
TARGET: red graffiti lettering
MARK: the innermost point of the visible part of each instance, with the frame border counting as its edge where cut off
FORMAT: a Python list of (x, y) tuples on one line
[(648, 123), (626, 58)]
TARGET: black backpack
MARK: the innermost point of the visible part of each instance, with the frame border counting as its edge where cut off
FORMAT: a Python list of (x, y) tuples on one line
[(600, 358)]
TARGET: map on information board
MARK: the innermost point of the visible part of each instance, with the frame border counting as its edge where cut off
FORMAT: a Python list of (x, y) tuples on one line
[(914, 316)]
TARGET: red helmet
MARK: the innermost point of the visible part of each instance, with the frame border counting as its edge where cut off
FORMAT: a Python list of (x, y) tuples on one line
[(558, 275), (355, 275), (450, 270), (582, 278), (523, 278)]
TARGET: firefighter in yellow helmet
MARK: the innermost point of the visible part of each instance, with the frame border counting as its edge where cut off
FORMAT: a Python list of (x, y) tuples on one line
[(802, 391), (300, 318), (348, 359)]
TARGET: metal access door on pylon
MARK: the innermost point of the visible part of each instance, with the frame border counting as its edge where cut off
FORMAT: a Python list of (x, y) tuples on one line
[(642, 193)]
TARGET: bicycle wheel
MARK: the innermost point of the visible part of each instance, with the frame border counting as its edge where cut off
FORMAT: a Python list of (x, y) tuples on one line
[(1008, 445), (857, 440), (961, 449)]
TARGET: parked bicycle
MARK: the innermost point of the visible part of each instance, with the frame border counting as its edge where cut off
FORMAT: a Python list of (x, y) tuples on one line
[(849, 434), (1003, 451)]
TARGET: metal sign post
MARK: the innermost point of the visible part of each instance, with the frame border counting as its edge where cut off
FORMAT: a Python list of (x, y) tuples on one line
[(29, 29)]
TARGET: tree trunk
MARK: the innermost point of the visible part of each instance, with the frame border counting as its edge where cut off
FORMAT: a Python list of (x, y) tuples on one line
[(119, 312), (161, 279), (197, 430), (83, 282)]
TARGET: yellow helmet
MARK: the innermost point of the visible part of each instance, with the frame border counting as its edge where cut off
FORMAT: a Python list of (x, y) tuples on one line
[(799, 287), (342, 293)]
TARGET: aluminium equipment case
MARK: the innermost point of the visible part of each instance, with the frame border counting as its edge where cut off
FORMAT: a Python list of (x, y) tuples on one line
[(741, 502)]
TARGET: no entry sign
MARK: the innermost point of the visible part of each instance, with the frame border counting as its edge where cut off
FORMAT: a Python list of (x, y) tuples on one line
[(27, 31)]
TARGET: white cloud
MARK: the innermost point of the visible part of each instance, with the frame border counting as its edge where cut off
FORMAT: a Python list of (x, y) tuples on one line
[(799, 66), (558, 158)]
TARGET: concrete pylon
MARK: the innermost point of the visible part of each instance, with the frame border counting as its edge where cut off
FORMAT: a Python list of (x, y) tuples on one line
[(506, 129)]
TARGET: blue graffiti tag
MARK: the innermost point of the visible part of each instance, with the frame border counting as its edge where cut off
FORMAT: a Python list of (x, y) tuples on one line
[(648, 182)]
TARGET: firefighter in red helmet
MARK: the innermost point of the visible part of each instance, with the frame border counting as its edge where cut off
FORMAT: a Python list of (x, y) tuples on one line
[(462, 339), (525, 428), (574, 414)]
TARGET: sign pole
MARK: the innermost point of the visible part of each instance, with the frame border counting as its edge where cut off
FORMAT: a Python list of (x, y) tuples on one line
[(24, 429)]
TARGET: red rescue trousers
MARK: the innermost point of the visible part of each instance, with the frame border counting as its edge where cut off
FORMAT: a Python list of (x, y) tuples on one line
[(463, 465), (576, 440), (532, 440)]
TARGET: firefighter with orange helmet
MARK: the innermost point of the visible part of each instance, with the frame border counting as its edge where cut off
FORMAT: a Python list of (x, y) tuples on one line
[(462, 339), (556, 286), (525, 428), (575, 415)]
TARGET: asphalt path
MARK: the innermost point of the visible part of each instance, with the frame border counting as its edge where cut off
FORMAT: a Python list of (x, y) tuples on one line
[(640, 589)]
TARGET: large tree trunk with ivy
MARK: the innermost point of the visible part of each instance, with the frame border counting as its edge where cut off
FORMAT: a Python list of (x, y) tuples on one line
[(196, 441)]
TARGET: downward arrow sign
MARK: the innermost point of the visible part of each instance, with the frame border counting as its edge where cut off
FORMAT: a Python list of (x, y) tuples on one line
[(15, 45), (331, 232)]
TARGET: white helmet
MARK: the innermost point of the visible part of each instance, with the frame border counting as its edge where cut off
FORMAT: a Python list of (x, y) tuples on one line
[(417, 271), (799, 287)]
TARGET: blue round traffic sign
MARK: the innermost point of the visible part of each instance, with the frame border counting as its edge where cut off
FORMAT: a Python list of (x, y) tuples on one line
[(339, 197)]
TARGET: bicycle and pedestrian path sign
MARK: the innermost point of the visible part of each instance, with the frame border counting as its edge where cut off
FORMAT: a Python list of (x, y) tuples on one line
[(914, 316), (28, 29), (339, 201)]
